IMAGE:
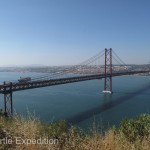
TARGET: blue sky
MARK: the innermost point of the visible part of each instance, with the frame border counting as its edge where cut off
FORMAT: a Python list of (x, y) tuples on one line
[(66, 32)]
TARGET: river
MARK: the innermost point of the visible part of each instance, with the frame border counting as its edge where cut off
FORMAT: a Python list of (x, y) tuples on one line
[(83, 103)]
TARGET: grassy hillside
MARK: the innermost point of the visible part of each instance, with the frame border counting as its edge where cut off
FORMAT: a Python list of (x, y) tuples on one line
[(29, 133)]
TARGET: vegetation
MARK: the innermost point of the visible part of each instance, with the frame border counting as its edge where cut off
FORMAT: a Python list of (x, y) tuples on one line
[(133, 134)]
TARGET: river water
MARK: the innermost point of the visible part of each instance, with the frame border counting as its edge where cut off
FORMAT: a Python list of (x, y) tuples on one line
[(83, 103)]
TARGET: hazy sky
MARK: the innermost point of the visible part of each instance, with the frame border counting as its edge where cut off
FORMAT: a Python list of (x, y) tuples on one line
[(62, 32)]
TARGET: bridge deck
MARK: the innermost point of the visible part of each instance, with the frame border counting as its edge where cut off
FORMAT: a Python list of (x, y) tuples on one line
[(19, 86)]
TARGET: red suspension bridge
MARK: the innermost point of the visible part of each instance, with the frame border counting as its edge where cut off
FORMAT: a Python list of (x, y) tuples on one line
[(88, 70)]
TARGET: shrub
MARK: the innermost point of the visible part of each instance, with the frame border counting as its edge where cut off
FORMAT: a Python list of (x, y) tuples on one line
[(54, 130), (137, 128)]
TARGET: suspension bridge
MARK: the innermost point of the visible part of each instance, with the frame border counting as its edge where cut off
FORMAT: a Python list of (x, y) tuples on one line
[(106, 64)]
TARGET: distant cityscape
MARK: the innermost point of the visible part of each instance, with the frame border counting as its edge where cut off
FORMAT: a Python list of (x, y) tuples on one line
[(91, 69)]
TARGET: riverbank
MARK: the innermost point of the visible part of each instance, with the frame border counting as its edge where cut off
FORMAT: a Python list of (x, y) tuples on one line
[(29, 133)]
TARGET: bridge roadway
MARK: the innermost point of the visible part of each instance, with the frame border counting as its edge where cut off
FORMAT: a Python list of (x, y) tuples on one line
[(19, 86)]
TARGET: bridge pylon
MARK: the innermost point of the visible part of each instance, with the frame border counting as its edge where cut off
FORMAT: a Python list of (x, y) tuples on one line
[(108, 71)]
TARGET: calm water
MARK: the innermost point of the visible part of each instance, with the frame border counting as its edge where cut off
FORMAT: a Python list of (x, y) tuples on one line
[(83, 103)]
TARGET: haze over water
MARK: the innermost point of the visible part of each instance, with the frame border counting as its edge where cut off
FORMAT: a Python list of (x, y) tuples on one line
[(83, 103)]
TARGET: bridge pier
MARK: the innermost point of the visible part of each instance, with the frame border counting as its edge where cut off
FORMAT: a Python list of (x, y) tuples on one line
[(108, 72), (8, 104)]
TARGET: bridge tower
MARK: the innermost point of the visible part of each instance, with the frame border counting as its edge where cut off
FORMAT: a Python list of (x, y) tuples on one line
[(108, 71)]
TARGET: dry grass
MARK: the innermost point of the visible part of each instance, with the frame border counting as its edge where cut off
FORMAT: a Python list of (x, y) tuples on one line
[(69, 139)]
